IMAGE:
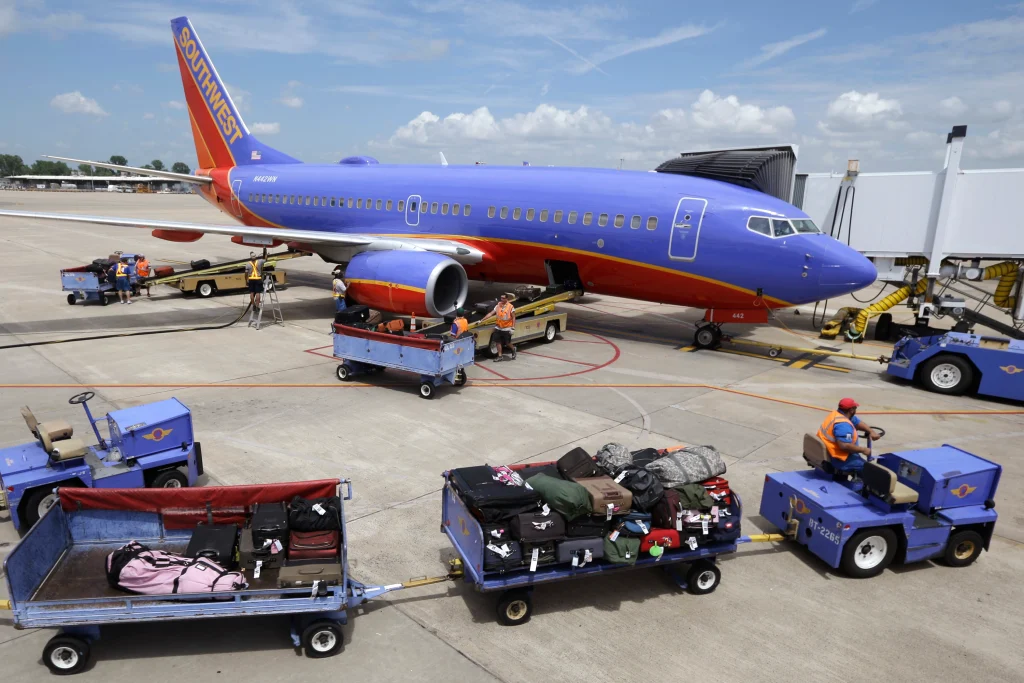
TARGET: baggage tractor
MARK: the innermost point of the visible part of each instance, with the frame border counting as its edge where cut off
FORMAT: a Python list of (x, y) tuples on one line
[(215, 542), (249, 556), (535, 527), (580, 551), (199, 264), (303, 574), (269, 523), (577, 464), (587, 527), (606, 497), (490, 500), (502, 556)]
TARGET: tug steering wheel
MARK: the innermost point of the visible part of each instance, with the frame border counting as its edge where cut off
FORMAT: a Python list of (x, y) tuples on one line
[(81, 398)]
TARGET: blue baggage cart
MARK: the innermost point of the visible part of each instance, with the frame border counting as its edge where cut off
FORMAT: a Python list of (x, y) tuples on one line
[(84, 285), (434, 360)]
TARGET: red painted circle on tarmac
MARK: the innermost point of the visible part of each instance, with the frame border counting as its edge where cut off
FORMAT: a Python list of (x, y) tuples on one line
[(592, 368)]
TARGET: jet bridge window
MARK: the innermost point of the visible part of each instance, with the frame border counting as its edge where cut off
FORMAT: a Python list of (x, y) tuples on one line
[(444, 209), (782, 228), (805, 226), (588, 218), (760, 225), (490, 212), (516, 213), (620, 220), (652, 223), (634, 222), (543, 215), (558, 216), (389, 205), (504, 212), (529, 214), (572, 217), (466, 208)]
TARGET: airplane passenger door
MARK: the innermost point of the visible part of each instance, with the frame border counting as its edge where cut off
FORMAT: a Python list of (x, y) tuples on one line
[(236, 189), (412, 210), (682, 241)]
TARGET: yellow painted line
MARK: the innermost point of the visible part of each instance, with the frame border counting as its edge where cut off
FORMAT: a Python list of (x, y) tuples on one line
[(796, 365), (687, 348), (799, 365)]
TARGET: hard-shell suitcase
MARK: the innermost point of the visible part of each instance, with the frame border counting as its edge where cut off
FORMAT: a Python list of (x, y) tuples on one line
[(250, 557), (606, 497), (577, 464), (539, 554), (535, 527), (587, 527), (666, 538), (580, 551), (303, 574), (163, 271), (667, 514), (501, 556), (718, 489), (313, 545), (269, 523), (491, 500), (215, 542)]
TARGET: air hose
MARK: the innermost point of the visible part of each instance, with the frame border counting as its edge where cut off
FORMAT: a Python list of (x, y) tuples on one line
[(861, 323), (1007, 274)]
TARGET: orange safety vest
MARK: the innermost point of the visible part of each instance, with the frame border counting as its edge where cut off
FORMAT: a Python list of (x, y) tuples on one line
[(255, 274), (142, 268), (122, 270), (505, 315), (460, 325), (826, 432)]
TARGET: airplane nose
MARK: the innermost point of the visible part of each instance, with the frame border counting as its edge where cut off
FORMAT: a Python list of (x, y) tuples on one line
[(844, 270)]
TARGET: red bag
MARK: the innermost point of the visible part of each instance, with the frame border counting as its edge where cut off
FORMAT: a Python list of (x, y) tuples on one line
[(313, 545), (719, 490), (666, 538)]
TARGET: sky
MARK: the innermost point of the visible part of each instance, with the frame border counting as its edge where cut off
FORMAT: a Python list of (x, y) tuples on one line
[(506, 81)]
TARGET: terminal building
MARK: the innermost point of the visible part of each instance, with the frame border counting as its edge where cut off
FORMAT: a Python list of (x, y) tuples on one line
[(97, 183)]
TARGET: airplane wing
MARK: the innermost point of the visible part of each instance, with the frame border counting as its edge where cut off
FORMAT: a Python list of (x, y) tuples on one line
[(167, 175), (455, 250)]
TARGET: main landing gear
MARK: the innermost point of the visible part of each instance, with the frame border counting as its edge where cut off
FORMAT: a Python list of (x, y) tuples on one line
[(708, 336)]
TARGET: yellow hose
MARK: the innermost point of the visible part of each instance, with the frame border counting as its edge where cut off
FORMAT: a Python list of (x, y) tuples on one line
[(861, 323), (1007, 274)]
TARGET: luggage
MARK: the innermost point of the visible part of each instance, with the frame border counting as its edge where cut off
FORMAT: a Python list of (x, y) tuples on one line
[(314, 545), (645, 456), (637, 524), (550, 469), (644, 486), (134, 568), (691, 465), (580, 551), (606, 497), (535, 527), (269, 523), (623, 550), (587, 527), (496, 533), (250, 556), (396, 326), (577, 464), (357, 313), (695, 497), (719, 490), (198, 264), (318, 514), (374, 318), (565, 497), (667, 514), (539, 554), (666, 538), (613, 458), (163, 271), (214, 542), (501, 556), (490, 500), (302, 575)]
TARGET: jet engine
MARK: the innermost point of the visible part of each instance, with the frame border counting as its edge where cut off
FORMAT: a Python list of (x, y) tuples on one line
[(408, 282)]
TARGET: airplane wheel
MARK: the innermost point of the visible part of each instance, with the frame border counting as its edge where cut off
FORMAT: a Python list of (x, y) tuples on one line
[(707, 337)]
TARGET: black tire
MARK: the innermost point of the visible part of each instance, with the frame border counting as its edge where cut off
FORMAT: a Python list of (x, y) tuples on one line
[(66, 655), (883, 327), (30, 507), (206, 289), (104, 300), (72, 299), (963, 548), (515, 607), (550, 332), (169, 479), (322, 639), (947, 374), (707, 337), (427, 390), (868, 553), (343, 372), (460, 377), (703, 577)]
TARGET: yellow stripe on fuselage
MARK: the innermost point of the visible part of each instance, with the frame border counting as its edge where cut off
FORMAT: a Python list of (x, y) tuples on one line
[(382, 283)]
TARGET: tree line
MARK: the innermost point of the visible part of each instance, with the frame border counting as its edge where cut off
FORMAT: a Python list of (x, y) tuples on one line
[(12, 164)]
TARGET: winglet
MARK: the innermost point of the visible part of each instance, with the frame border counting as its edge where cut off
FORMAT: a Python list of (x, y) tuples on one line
[(444, 162)]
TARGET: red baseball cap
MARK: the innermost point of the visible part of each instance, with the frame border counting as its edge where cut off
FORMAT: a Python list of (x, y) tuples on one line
[(848, 403)]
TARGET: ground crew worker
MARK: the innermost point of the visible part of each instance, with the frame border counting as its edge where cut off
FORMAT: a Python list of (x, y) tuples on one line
[(123, 280), (460, 324), (142, 270), (839, 432), (254, 279), (506, 315), (338, 288)]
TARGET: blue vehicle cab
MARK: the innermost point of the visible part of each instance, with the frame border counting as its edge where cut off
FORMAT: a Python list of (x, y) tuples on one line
[(151, 445), (908, 506), (957, 362)]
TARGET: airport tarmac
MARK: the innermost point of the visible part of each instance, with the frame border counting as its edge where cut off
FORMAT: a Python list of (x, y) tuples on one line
[(267, 407)]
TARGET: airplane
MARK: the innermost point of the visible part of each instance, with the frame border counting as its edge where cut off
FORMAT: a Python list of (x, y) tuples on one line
[(413, 235)]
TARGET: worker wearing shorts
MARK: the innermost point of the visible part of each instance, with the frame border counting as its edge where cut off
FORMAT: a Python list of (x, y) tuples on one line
[(123, 281), (338, 289), (506, 325), (254, 280)]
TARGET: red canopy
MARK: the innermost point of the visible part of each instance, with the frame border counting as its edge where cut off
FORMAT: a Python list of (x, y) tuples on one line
[(183, 508)]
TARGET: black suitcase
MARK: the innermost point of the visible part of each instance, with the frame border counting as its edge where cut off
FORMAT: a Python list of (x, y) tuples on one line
[(269, 523), (214, 541), (545, 554), (491, 500), (201, 263), (501, 556), (587, 527), (250, 556), (352, 315), (549, 469), (645, 457), (535, 527), (577, 464), (497, 533)]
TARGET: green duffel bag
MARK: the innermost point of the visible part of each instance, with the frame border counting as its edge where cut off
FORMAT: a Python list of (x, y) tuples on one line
[(623, 550), (567, 498)]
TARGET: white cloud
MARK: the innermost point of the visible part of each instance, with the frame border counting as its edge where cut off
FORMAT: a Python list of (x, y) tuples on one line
[(1000, 144), (77, 103), (861, 5), (666, 37), (265, 128), (726, 113), (544, 89), (8, 17), (149, 116), (292, 101), (773, 50), (175, 104), (1000, 110), (241, 98), (952, 106), (924, 139), (863, 109)]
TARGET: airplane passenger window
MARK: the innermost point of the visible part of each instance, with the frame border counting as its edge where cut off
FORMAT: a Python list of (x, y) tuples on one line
[(572, 218), (433, 207), (359, 203), (349, 205), (388, 206), (455, 209), (444, 209), (277, 199), (379, 204), (634, 222), (516, 213), (529, 214), (782, 228), (291, 199), (250, 196), (308, 200), (412, 206), (620, 220), (341, 202), (332, 201), (543, 215), (602, 220), (759, 224), (504, 212), (588, 218), (490, 212), (323, 201), (558, 216), (401, 205), (316, 201), (652, 223), (423, 207), (805, 226), (466, 208)]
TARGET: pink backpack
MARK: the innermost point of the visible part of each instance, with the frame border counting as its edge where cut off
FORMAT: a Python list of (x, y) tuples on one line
[(137, 569)]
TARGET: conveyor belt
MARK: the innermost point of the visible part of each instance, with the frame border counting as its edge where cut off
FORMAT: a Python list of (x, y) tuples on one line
[(225, 267)]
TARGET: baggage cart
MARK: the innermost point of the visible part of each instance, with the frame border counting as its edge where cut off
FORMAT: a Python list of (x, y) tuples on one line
[(435, 360), (56, 575)]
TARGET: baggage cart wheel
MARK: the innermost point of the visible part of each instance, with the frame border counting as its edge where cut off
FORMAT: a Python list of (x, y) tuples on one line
[(550, 331), (515, 607), (427, 390), (169, 479), (103, 299), (66, 655), (703, 577), (321, 639), (963, 548), (206, 289), (868, 553), (460, 377), (344, 373), (71, 299)]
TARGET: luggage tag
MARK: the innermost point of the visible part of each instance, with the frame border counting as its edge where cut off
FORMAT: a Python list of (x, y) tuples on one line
[(656, 552), (679, 521), (545, 511), (259, 566), (622, 475), (533, 559), (497, 533), (316, 586), (320, 509), (540, 526), (704, 526), (501, 551), (692, 542), (613, 535), (611, 509), (276, 547), (643, 527)]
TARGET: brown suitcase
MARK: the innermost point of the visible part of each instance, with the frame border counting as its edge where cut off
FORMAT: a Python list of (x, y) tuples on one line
[(604, 493), (303, 574)]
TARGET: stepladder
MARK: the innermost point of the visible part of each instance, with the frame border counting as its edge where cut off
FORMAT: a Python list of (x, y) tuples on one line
[(268, 302)]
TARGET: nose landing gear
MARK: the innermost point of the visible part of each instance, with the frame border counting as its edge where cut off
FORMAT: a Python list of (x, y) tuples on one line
[(708, 336)]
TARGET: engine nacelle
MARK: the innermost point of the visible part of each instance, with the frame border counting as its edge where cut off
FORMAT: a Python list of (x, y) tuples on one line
[(408, 282)]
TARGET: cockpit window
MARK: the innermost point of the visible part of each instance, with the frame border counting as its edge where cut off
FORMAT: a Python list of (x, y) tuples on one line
[(759, 224), (781, 228), (805, 225)]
